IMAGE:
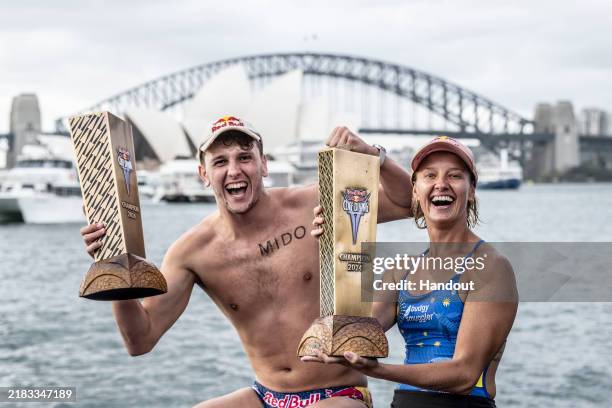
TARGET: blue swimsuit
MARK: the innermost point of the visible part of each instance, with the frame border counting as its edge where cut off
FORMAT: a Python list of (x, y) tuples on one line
[(429, 324)]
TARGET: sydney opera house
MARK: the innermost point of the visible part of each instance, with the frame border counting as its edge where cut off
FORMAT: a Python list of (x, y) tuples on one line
[(292, 128)]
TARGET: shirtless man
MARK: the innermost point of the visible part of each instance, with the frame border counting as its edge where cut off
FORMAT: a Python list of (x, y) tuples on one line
[(256, 260)]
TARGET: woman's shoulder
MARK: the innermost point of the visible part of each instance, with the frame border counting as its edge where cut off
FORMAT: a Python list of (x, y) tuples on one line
[(492, 275), (491, 257)]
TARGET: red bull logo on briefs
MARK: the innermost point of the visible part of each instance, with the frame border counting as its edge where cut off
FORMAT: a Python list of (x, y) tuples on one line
[(291, 400)]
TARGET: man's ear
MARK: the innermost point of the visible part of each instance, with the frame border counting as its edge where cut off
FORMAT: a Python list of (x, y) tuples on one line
[(264, 166), (203, 175)]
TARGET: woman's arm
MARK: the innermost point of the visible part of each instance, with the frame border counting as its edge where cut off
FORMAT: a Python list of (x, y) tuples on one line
[(384, 312), (384, 306), (482, 333)]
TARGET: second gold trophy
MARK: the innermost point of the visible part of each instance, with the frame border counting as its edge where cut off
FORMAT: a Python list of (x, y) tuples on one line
[(348, 193)]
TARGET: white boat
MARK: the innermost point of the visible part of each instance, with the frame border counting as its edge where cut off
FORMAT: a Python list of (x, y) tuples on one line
[(41, 191), (280, 174), (498, 172), (179, 181), (301, 156), (61, 204), (148, 182), (43, 186)]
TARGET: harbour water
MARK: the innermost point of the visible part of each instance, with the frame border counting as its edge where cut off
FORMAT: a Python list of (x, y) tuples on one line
[(558, 354)]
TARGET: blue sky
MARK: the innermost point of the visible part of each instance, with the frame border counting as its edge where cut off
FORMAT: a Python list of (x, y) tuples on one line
[(74, 53)]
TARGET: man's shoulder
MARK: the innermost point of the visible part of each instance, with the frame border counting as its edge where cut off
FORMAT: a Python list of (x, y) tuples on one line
[(296, 196), (196, 238)]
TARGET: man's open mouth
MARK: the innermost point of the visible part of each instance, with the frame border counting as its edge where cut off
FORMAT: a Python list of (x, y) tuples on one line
[(236, 188), (442, 200)]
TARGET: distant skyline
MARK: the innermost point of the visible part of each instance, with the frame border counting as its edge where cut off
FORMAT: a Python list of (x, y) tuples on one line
[(516, 54)]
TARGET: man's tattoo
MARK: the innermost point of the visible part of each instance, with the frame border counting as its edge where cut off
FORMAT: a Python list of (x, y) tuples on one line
[(281, 241)]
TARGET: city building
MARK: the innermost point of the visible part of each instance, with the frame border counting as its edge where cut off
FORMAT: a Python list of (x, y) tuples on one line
[(25, 124), (594, 122)]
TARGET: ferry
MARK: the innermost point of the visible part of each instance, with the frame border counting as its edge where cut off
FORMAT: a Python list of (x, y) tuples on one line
[(498, 172)]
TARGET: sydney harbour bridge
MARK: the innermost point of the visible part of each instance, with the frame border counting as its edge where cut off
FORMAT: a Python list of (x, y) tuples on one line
[(390, 99)]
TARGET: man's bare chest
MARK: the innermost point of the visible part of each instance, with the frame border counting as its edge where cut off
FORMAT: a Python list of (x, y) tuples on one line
[(278, 260)]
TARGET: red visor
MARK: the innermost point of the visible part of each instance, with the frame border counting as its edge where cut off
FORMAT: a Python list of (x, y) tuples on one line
[(446, 144)]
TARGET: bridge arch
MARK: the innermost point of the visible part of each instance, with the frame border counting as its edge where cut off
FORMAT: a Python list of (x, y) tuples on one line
[(468, 111)]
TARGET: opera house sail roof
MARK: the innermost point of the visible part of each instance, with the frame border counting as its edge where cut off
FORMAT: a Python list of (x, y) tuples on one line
[(278, 111)]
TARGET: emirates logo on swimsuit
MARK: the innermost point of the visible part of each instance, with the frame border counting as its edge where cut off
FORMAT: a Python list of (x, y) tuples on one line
[(356, 203)]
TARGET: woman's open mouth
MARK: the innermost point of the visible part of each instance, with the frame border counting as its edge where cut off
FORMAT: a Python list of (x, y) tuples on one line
[(442, 201)]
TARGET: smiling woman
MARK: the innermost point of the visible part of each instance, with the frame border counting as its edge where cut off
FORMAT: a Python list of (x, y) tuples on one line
[(453, 354), (454, 332), (457, 348)]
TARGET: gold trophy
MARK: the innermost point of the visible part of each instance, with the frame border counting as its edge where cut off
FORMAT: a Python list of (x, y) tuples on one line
[(348, 192), (104, 150)]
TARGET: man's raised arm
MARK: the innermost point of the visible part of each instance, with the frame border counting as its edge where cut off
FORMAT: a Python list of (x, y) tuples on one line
[(142, 324)]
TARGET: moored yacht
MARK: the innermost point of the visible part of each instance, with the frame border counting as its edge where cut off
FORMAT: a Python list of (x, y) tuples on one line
[(41, 191), (43, 186), (179, 181)]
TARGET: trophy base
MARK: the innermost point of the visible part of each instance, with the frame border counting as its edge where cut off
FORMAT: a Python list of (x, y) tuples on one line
[(122, 277), (333, 335)]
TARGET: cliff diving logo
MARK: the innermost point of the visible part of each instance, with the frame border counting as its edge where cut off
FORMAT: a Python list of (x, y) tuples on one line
[(123, 157), (356, 203)]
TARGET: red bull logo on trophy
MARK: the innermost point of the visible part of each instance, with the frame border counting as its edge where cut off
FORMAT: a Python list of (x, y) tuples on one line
[(356, 203), (226, 121), (123, 157)]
